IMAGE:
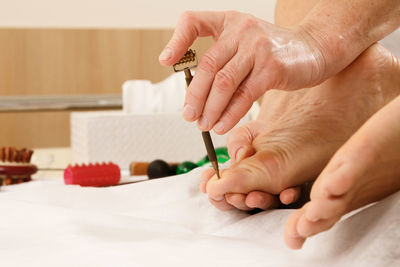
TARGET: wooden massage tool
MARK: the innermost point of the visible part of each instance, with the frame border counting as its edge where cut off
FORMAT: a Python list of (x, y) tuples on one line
[(187, 62), (15, 166)]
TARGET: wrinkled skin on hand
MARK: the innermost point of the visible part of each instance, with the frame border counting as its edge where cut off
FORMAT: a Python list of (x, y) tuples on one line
[(249, 57)]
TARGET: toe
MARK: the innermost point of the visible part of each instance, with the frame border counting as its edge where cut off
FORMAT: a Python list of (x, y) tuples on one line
[(290, 195), (205, 177), (292, 238), (269, 170), (221, 204), (307, 228), (258, 172), (239, 141), (325, 209), (338, 178), (261, 200), (237, 200), (233, 180)]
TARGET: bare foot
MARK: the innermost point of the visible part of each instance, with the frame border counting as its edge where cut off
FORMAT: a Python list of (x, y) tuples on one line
[(366, 169), (240, 146), (305, 130)]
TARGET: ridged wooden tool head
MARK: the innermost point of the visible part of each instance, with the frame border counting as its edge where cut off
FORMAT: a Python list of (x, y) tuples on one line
[(14, 155), (188, 61), (15, 165)]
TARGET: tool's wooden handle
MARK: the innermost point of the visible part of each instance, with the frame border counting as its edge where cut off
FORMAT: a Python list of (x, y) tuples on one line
[(211, 151)]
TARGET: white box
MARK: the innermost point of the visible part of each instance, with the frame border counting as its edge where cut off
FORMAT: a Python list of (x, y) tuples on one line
[(122, 138)]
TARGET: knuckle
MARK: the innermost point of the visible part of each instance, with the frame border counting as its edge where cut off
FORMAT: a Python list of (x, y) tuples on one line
[(262, 43), (225, 81), (230, 14), (277, 64), (193, 96), (213, 113), (245, 94), (187, 16), (231, 117), (208, 63), (249, 22)]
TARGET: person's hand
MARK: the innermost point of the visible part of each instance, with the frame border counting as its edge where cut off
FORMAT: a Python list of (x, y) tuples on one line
[(249, 57), (239, 147)]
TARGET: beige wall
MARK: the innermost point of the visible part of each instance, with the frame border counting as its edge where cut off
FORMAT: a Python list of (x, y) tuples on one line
[(116, 13), (72, 61), (66, 47)]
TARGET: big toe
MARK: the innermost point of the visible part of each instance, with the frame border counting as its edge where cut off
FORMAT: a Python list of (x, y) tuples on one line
[(299, 226), (265, 171), (253, 173), (292, 238)]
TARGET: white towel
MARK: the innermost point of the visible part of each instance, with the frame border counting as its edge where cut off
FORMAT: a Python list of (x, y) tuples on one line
[(168, 222)]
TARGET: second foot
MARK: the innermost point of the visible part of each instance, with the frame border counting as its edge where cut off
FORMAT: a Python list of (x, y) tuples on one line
[(366, 169)]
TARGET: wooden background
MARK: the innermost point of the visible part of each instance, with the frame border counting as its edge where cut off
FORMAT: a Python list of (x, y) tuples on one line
[(72, 61)]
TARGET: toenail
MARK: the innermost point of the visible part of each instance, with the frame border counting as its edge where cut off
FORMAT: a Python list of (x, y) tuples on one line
[(218, 198), (239, 154), (312, 218)]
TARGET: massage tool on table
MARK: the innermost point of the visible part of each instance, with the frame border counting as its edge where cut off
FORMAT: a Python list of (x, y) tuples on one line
[(159, 168), (105, 174), (15, 166), (98, 175), (188, 61), (109, 174)]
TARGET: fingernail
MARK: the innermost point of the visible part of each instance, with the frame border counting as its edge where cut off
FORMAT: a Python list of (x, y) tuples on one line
[(188, 113), (218, 198), (165, 54), (219, 127), (203, 123), (239, 154)]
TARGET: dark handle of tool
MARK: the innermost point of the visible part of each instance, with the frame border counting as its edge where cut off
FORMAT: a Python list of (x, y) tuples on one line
[(211, 151), (206, 135)]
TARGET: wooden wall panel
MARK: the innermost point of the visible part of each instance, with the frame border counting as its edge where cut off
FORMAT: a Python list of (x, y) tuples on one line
[(72, 61)]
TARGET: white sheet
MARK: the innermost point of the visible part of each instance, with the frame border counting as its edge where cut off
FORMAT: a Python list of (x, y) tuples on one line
[(167, 222)]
